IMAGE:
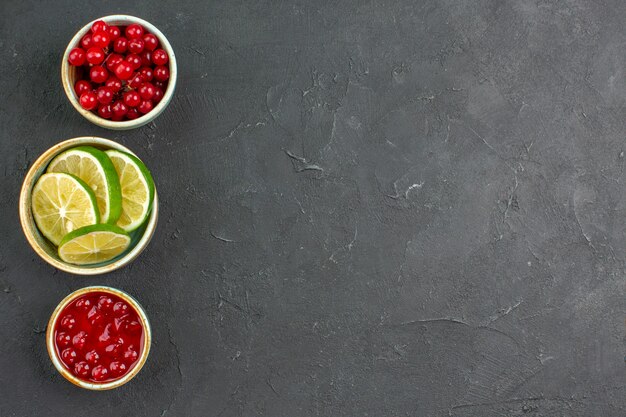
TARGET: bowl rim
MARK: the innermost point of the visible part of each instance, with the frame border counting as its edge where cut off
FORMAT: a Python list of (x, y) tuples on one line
[(92, 385), (128, 124), (28, 224)]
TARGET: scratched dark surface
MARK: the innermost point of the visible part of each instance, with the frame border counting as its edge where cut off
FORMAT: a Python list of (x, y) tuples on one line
[(414, 208)]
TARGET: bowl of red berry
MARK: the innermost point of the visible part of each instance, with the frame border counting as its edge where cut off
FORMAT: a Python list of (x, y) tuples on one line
[(119, 72), (98, 338)]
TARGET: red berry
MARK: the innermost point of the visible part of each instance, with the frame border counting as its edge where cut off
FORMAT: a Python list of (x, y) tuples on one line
[(99, 373), (135, 45), (158, 95), (132, 98), (159, 57), (79, 339), (143, 108), (150, 41), (119, 109), (85, 42), (105, 95), (146, 73), (124, 70), (99, 26), (159, 84), (94, 316), (82, 86), (120, 308), (77, 57), (114, 83), (98, 74), (114, 32), (117, 368), (69, 356), (82, 369), (134, 60), (92, 357), (161, 73), (95, 55), (113, 60), (101, 39), (63, 339), (68, 322), (88, 100), (146, 91), (132, 114), (136, 80), (130, 355), (134, 31), (84, 303), (146, 58), (105, 111), (105, 303), (120, 45)]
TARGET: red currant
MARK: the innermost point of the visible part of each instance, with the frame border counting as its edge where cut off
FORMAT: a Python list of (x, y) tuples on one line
[(146, 73), (150, 41), (84, 303), (99, 26), (79, 340), (146, 91), (105, 95), (146, 58), (119, 109), (158, 95), (95, 55), (134, 60), (114, 83), (124, 70), (134, 31), (117, 368), (82, 369), (92, 357), (113, 61), (143, 108), (161, 73), (77, 57), (132, 114), (85, 42), (120, 45), (63, 339), (99, 373), (159, 84), (159, 57), (82, 86), (120, 308), (135, 45), (132, 98), (68, 322), (136, 80), (101, 39), (98, 74), (69, 356), (104, 111), (114, 32)]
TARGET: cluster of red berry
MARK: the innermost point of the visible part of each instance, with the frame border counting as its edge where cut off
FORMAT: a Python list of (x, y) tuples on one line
[(123, 77)]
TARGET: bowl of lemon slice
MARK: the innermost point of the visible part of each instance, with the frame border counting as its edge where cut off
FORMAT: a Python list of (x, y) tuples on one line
[(88, 206)]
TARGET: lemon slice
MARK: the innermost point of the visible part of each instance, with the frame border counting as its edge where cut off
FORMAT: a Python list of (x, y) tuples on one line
[(96, 169), (93, 244), (137, 189), (62, 203)]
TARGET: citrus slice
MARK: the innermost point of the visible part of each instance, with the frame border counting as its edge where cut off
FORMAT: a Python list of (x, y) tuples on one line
[(95, 168), (137, 189), (62, 203), (93, 244)]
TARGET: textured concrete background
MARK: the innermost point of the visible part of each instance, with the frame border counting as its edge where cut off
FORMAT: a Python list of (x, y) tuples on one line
[(398, 209)]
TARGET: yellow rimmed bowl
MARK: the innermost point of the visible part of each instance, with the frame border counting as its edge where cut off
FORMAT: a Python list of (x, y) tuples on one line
[(44, 248), (69, 75), (56, 361)]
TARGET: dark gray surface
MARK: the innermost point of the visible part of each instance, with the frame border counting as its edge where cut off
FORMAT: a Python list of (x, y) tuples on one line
[(447, 237)]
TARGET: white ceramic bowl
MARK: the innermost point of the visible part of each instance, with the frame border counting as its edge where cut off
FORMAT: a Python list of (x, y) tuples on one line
[(91, 385), (69, 75), (46, 250)]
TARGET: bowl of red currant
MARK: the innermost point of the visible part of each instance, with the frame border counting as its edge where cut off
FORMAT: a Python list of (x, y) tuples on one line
[(119, 72), (98, 338)]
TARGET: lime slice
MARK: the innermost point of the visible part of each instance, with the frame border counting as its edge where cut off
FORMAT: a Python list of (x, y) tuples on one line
[(62, 203), (137, 189), (93, 244), (96, 169)]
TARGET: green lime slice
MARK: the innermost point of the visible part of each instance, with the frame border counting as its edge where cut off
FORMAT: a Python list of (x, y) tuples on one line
[(93, 244), (61, 203), (96, 169), (137, 189)]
